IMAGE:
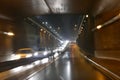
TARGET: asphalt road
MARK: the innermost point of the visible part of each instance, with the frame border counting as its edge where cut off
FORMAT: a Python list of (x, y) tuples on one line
[(71, 66)]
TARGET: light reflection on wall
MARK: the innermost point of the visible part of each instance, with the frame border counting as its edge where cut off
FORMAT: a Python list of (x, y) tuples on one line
[(99, 76)]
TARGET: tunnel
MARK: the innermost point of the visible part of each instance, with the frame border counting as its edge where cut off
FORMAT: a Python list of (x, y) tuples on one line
[(59, 40)]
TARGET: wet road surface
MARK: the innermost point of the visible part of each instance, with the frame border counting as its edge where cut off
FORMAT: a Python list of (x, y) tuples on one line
[(71, 66)]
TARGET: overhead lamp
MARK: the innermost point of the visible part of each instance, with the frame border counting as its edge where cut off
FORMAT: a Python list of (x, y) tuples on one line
[(10, 34), (44, 31), (99, 26), (75, 25), (50, 26), (46, 22), (86, 16), (117, 17), (41, 29), (58, 28)]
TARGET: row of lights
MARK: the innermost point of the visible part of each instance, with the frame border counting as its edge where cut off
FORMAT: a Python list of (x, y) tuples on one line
[(43, 30), (81, 28), (44, 22), (50, 27), (98, 27)]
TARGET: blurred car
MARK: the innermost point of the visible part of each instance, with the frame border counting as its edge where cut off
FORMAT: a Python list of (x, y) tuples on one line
[(25, 53), (43, 51)]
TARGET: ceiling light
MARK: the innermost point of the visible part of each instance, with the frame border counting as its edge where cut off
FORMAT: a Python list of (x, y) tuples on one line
[(75, 25), (44, 31), (50, 26), (41, 29), (10, 34), (46, 22), (99, 26), (58, 28), (86, 16)]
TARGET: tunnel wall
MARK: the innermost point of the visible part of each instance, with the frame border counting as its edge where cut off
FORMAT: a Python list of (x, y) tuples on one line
[(31, 35), (6, 45), (27, 35), (6, 41), (85, 39), (107, 39)]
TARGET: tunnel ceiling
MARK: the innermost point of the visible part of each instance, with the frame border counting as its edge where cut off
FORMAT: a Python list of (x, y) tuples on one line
[(12, 9), (17, 8), (39, 7), (65, 25), (106, 6)]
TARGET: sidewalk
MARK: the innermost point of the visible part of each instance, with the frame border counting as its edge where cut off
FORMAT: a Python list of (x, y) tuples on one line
[(112, 67), (109, 67)]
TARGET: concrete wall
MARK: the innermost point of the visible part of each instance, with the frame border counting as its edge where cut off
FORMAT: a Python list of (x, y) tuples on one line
[(6, 42), (26, 35), (107, 39), (85, 39)]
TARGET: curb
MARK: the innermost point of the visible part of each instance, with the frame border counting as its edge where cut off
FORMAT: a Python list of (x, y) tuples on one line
[(106, 71)]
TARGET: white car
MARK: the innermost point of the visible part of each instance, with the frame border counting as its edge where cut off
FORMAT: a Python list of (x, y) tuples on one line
[(25, 53)]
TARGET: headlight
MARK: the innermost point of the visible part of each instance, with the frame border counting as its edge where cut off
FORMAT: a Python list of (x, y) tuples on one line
[(17, 56), (36, 54), (28, 55), (45, 53)]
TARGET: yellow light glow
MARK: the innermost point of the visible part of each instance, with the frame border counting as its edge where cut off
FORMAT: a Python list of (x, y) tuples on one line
[(41, 29), (10, 34), (28, 55), (44, 31), (119, 14), (99, 26), (87, 16)]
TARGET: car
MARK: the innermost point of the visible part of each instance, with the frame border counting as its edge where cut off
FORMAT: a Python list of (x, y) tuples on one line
[(43, 51), (25, 53)]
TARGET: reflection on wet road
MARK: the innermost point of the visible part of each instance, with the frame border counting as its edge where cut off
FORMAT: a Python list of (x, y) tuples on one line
[(71, 66)]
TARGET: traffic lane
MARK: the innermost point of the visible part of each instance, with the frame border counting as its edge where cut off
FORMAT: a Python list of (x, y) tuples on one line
[(21, 72), (70, 68)]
